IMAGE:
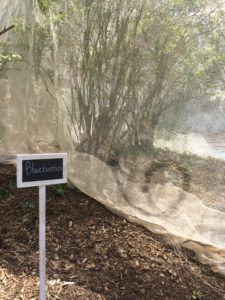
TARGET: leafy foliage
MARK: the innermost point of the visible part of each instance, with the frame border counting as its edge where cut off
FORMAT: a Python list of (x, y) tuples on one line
[(45, 5), (123, 63), (59, 189), (129, 63), (7, 55)]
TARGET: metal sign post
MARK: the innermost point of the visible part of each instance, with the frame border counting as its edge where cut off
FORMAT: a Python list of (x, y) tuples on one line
[(41, 170)]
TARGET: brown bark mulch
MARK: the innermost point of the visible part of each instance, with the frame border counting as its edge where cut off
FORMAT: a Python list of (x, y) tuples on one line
[(91, 253)]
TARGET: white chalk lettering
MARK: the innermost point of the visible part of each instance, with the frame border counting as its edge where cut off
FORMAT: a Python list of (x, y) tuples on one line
[(30, 169)]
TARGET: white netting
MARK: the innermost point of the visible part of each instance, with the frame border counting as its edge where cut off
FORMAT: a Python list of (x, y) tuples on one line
[(134, 93)]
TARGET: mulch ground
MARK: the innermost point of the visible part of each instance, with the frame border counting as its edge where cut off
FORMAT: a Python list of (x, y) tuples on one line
[(91, 253)]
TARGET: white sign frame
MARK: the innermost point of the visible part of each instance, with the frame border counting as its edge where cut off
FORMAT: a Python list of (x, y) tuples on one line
[(21, 157), (42, 206)]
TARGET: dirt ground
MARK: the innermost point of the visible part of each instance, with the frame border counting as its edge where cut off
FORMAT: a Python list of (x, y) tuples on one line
[(91, 253)]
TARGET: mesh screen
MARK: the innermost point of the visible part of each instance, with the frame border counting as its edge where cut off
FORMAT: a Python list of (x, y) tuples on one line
[(134, 92)]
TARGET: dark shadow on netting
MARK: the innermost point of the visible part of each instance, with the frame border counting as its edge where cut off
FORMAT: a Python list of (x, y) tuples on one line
[(149, 172)]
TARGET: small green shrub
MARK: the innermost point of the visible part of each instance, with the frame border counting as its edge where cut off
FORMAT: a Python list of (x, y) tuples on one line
[(7, 190), (59, 189), (4, 191), (196, 295)]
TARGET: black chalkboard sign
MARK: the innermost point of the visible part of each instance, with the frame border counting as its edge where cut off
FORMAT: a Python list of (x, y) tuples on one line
[(41, 169)]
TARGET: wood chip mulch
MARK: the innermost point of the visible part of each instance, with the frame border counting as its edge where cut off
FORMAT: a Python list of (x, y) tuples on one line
[(91, 253)]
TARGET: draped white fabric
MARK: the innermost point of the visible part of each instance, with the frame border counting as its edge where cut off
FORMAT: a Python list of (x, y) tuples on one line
[(159, 190)]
